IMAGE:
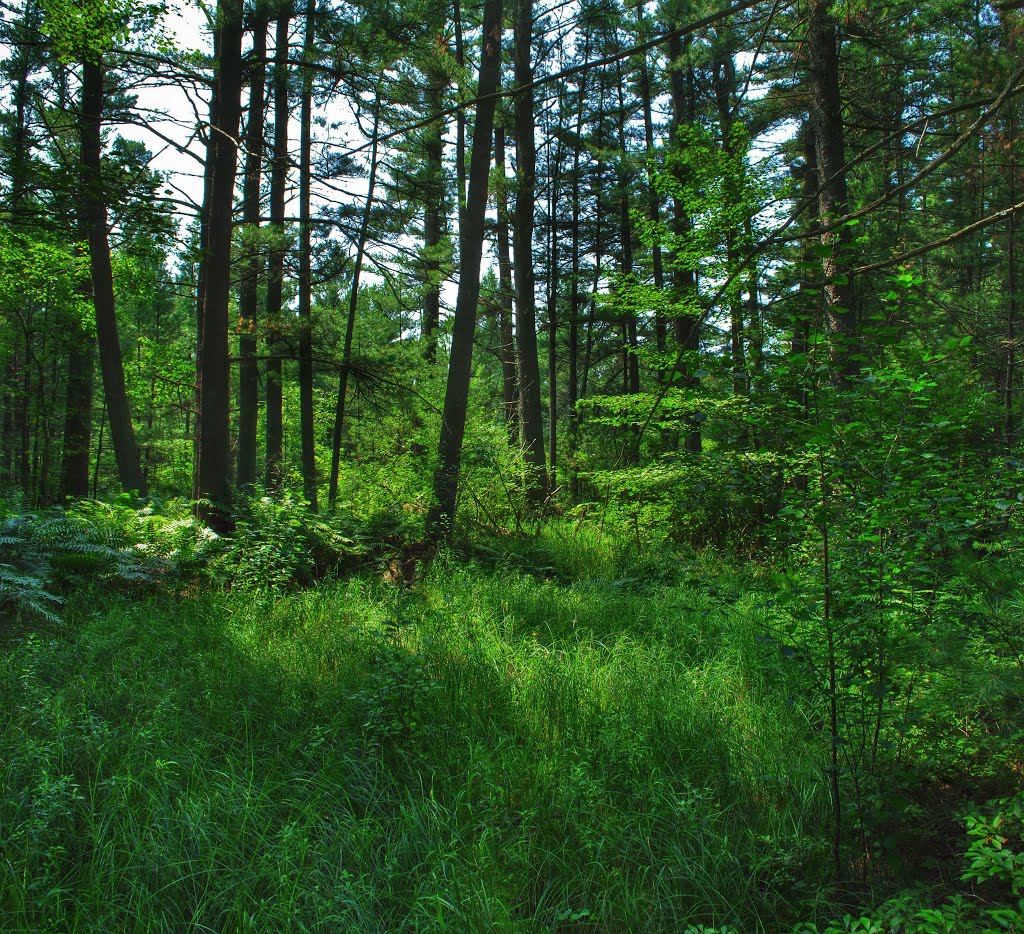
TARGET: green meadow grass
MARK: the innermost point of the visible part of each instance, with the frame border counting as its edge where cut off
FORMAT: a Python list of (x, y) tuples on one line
[(492, 751)]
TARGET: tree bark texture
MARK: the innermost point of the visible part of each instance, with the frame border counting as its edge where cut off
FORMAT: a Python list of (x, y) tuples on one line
[(275, 266), (456, 399), (522, 243), (126, 449), (306, 427), (248, 300), (213, 426)]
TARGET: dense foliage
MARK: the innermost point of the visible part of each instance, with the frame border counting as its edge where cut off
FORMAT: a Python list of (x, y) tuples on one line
[(552, 466)]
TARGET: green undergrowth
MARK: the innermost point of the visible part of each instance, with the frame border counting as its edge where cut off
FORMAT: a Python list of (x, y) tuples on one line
[(493, 750)]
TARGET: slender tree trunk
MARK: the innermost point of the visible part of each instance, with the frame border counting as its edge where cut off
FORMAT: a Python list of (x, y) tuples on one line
[(275, 266), (74, 473), (22, 425), (1011, 294), (471, 237), (353, 304), (653, 201), (724, 72), (630, 361), (553, 320), (522, 243), (306, 426), (20, 142), (460, 119), (99, 452), (687, 325), (826, 108), (433, 218), (802, 319), (248, 370), (572, 374), (510, 379), (126, 450), (7, 429), (213, 421)]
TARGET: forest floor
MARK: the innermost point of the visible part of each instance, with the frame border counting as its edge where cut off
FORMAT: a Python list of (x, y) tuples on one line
[(576, 748)]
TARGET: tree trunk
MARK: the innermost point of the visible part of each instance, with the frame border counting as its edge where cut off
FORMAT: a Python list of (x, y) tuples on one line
[(800, 344), (553, 319), (686, 326), (724, 72), (275, 267), (522, 243), (74, 473), (573, 349), (306, 428), (826, 109), (126, 450), (630, 361), (510, 379), (653, 201), (353, 304), (248, 303), (471, 241), (213, 422), (433, 218), (460, 120)]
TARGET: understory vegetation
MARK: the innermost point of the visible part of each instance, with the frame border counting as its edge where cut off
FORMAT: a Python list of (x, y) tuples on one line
[(540, 732)]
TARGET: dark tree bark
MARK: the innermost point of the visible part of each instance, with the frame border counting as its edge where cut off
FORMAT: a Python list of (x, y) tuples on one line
[(353, 304), (531, 419), (576, 300), (826, 108), (306, 430), (248, 371), (460, 119), (126, 450), (510, 379), (471, 237), (553, 319), (275, 266), (7, 428), (213, 423), (74, 472)]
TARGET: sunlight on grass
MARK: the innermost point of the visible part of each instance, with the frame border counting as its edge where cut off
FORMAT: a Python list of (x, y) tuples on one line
[(493, 751)]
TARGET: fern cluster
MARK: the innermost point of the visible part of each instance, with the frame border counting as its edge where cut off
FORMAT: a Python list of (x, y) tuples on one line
[(45, 555)]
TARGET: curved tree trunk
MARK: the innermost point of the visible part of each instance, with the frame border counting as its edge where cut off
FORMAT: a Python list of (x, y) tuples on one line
[(126, 449)]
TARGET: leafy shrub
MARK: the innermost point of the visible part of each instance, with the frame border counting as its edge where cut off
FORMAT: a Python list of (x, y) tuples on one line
[(994, 859), (281, 543)]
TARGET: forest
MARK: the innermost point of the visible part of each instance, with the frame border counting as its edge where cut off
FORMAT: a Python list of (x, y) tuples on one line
[(521, 465)]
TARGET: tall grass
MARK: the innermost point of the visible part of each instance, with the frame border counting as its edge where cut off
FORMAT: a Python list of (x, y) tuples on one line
[(493, 751)]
